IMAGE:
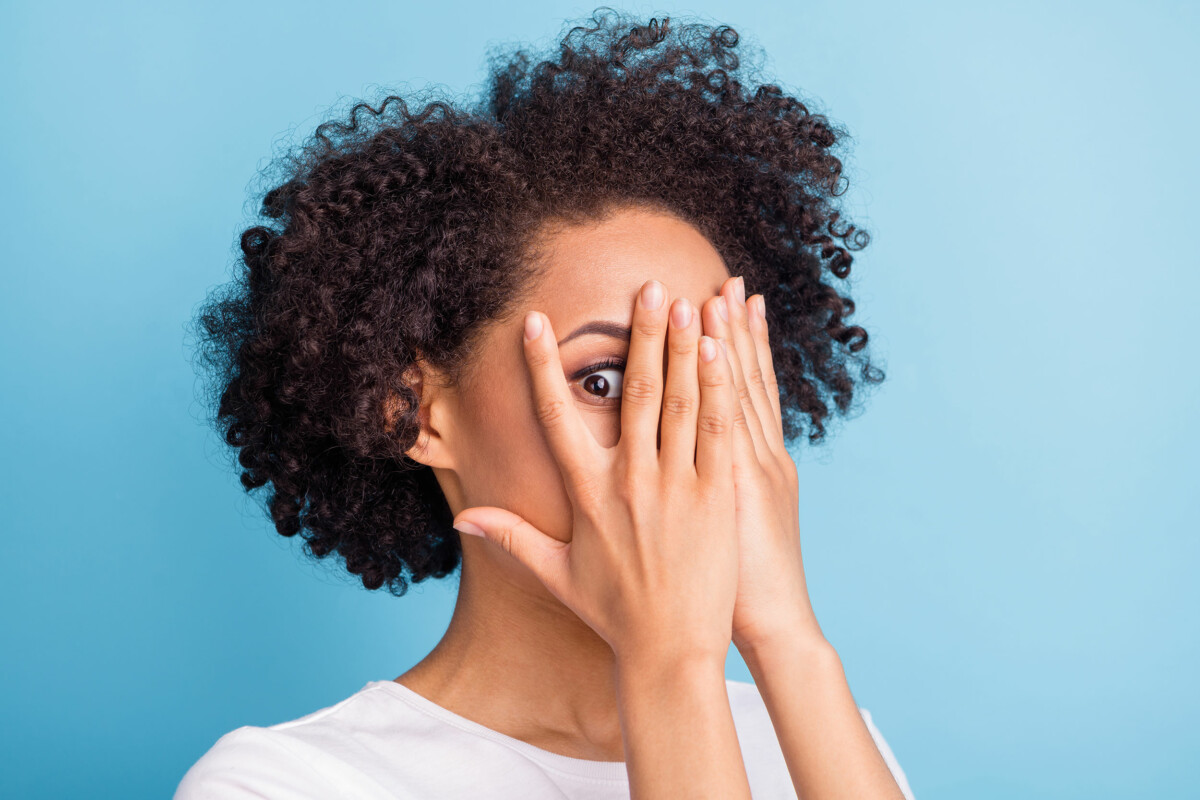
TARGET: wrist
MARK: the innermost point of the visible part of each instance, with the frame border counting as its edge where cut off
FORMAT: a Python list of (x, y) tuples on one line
[(802, 647), (798, 628), (667, 679), (669, 661)]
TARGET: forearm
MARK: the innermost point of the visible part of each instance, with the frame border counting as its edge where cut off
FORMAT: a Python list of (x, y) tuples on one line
[(829, 751), (678, 729)]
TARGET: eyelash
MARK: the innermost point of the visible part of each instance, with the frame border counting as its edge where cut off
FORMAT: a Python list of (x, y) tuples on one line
[(607, 363)]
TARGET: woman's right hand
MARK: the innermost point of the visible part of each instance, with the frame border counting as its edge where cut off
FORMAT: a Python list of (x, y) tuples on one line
[(652, 564)]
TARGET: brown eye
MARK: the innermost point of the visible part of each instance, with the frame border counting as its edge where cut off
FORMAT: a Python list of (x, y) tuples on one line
[(604, 383), (600, 383)]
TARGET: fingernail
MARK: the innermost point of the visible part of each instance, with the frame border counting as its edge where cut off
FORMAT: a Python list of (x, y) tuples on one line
[(708, 348), (533, 326), (723, 308), (652, 295), (681, 314), (739, 290), (724, 348), (760, 307), (466, 527)]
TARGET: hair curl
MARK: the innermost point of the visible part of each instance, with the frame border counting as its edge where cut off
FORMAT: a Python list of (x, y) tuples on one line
[(397, 235)]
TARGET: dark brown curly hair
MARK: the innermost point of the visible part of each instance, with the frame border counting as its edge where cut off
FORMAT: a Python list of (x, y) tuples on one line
[(398, 235)]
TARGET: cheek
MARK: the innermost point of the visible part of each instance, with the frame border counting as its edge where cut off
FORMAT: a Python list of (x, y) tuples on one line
[(511, 465), (604, 425)]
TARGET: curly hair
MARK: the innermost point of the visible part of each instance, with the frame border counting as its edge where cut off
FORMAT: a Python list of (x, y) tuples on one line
[(396, 236)]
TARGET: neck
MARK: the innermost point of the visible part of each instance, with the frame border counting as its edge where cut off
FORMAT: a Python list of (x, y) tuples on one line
[(518, 661)]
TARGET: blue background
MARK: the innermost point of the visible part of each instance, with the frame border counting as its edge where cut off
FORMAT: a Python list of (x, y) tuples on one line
[(1002, 546)]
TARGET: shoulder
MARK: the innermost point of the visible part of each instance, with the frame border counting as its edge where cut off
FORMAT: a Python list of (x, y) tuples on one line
[(296, 759), (252, 762), (756, 733)]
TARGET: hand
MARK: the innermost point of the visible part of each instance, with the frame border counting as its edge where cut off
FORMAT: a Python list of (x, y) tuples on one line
[(652, 562), (772, 595)]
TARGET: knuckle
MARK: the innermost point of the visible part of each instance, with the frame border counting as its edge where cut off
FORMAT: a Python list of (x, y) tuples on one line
[(713, 423), (538, 358), (711, 378), (647, 328), (626, 489), (638, 388), (681, 346), (744, 394), (505, 538), (755, 379), (678, 404), (629, 481), (591, 516), (550, 410)]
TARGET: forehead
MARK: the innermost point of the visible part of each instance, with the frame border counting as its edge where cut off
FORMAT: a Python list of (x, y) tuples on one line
[(595, 269)]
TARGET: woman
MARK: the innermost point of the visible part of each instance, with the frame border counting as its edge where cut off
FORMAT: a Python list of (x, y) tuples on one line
[(528, 321)]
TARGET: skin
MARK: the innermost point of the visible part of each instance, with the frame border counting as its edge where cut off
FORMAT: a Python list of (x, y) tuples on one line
[(487, 448), (567, 688)]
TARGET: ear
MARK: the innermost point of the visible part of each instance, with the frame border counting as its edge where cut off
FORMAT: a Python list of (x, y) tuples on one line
[(434, 414)]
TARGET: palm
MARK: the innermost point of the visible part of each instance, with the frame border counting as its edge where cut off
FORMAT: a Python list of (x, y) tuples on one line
[(772, 594), (771, 586)]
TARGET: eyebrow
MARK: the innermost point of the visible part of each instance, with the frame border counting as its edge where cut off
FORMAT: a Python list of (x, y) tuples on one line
[(600, 326)]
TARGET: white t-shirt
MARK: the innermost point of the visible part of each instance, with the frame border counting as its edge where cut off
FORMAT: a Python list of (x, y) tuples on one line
[(386, 742)]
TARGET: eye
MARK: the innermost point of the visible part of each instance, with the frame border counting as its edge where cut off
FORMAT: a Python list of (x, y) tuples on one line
[(602, 381)]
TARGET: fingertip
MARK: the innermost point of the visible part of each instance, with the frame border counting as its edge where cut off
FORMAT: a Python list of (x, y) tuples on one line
[(723, 308), (463, 526), (681, 313), (533, 326)]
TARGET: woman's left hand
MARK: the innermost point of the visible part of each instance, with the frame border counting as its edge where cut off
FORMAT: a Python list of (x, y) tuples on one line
[(772, 595)]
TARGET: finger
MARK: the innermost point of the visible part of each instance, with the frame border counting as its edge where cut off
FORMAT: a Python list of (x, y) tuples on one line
[(572, 444), (545, 556), (715, 418), (641, 385), (757, 305), (716, 324), (749, 440), (681, 394), (746, 364)]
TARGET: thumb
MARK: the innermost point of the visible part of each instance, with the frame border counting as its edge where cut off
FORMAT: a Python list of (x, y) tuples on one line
[(543, 555)]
